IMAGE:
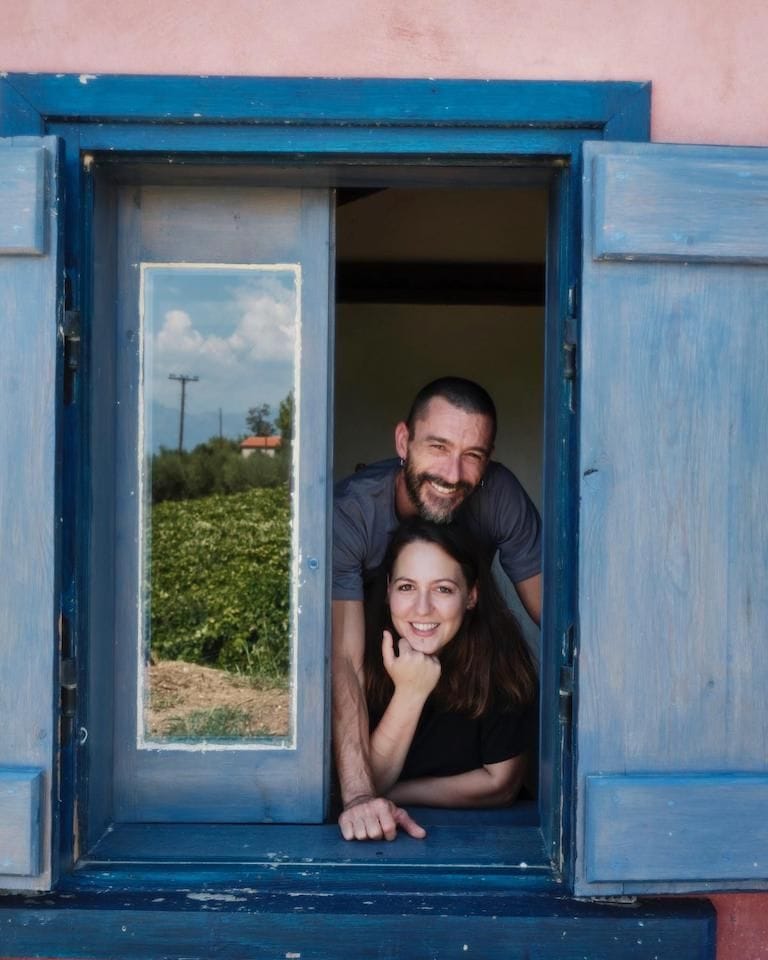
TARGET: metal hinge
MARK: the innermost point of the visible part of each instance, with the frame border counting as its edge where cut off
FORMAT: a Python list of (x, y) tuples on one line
[(565, 686), (569, 344), (71, 334), (67, 679)]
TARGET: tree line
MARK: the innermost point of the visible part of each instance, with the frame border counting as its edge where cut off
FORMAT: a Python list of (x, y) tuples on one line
[(218, 467)]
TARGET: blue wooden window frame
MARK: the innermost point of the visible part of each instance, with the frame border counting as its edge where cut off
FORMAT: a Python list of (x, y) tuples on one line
[(334, 125)]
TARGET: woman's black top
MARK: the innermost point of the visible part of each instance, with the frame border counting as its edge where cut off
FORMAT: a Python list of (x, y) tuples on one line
[(447, 742)]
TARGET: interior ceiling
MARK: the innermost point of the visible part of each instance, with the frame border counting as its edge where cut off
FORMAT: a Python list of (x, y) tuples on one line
[(480, 246)]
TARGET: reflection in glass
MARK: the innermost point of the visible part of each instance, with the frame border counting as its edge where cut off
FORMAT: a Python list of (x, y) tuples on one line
[(219, 368)]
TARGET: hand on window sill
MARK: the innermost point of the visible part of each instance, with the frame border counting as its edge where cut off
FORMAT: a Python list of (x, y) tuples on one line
[(376, 818)]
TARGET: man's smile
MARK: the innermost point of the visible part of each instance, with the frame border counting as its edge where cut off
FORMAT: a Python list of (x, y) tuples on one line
[(435, 498), (442, 488)]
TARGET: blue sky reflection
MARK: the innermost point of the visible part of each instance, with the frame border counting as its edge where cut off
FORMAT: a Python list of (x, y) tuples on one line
[(235, 327)]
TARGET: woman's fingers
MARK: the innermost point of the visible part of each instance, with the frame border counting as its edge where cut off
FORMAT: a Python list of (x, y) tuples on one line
[(404, 648), (387, 650), (411, 669)]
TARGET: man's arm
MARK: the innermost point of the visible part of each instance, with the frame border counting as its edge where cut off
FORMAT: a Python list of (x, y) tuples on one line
[(365, 816), (350, 712), (529, 592)]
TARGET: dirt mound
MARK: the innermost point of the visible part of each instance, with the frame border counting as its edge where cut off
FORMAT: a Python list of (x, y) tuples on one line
[(188, 700)]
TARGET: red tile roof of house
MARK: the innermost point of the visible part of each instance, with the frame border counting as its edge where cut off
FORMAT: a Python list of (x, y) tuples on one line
[(261, 443)]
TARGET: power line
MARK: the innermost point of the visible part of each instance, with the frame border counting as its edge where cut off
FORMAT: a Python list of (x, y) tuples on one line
[(184, 379)]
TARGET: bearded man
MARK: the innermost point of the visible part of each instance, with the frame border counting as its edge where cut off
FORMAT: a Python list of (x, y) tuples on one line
[(444, 474)]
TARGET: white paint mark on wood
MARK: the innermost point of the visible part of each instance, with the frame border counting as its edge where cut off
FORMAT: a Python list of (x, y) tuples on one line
[(220, 897)]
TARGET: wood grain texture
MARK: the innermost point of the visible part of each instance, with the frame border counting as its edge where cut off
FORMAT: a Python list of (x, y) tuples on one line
[(243, 922), (22, 200), (339, 101), (694, 208), (28, 522), (227, 225), (561, 512), (97, 534), (17, 115), (673, 553), (20, 821), (680, 839), (489, 839), (330, 142)]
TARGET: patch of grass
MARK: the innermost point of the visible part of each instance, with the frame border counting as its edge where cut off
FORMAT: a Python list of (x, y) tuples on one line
[(163, 702), (256, 682), (218, 723)]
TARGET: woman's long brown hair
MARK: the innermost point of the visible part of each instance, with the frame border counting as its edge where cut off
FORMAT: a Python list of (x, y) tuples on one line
[(488, 657)]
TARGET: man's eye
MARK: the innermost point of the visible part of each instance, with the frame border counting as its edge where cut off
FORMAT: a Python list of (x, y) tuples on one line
[(438, 446)]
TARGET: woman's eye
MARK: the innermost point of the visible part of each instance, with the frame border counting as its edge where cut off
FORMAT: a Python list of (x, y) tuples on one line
[(443, 589)]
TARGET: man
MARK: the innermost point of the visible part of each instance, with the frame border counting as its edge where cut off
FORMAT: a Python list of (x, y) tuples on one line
[(444, 474)]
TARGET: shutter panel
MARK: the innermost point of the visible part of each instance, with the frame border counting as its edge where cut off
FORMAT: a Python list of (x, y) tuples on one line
[(672, 715), (29, 301)]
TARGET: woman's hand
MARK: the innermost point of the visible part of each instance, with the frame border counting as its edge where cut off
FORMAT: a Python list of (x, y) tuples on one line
[(412, 671), (415, 676)]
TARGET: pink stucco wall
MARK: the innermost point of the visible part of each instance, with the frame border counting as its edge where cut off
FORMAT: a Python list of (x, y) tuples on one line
[(707, 60), (742, 926)]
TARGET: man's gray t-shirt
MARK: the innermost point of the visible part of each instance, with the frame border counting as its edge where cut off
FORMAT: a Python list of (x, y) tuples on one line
[(499, 514)]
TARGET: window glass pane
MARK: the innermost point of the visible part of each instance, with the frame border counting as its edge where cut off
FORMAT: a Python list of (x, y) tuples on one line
[(217, 628)]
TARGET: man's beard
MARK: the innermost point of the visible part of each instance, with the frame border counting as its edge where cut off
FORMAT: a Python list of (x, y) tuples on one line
[(439, 512)]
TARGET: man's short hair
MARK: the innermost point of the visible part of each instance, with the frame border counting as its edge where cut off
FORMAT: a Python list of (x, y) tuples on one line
[(459, 392)]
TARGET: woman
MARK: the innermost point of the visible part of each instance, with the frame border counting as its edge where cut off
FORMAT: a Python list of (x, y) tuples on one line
[(449, 680)]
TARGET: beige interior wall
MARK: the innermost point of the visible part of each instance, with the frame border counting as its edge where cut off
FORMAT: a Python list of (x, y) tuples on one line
[(386, 352)]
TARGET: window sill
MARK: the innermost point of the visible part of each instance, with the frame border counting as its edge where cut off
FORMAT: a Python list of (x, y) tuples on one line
[(478, 884), (242, 922), (503, 850)]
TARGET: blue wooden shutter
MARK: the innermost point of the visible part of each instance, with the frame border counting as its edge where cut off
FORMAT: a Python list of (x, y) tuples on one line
[(29, 305), (672, 708)]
